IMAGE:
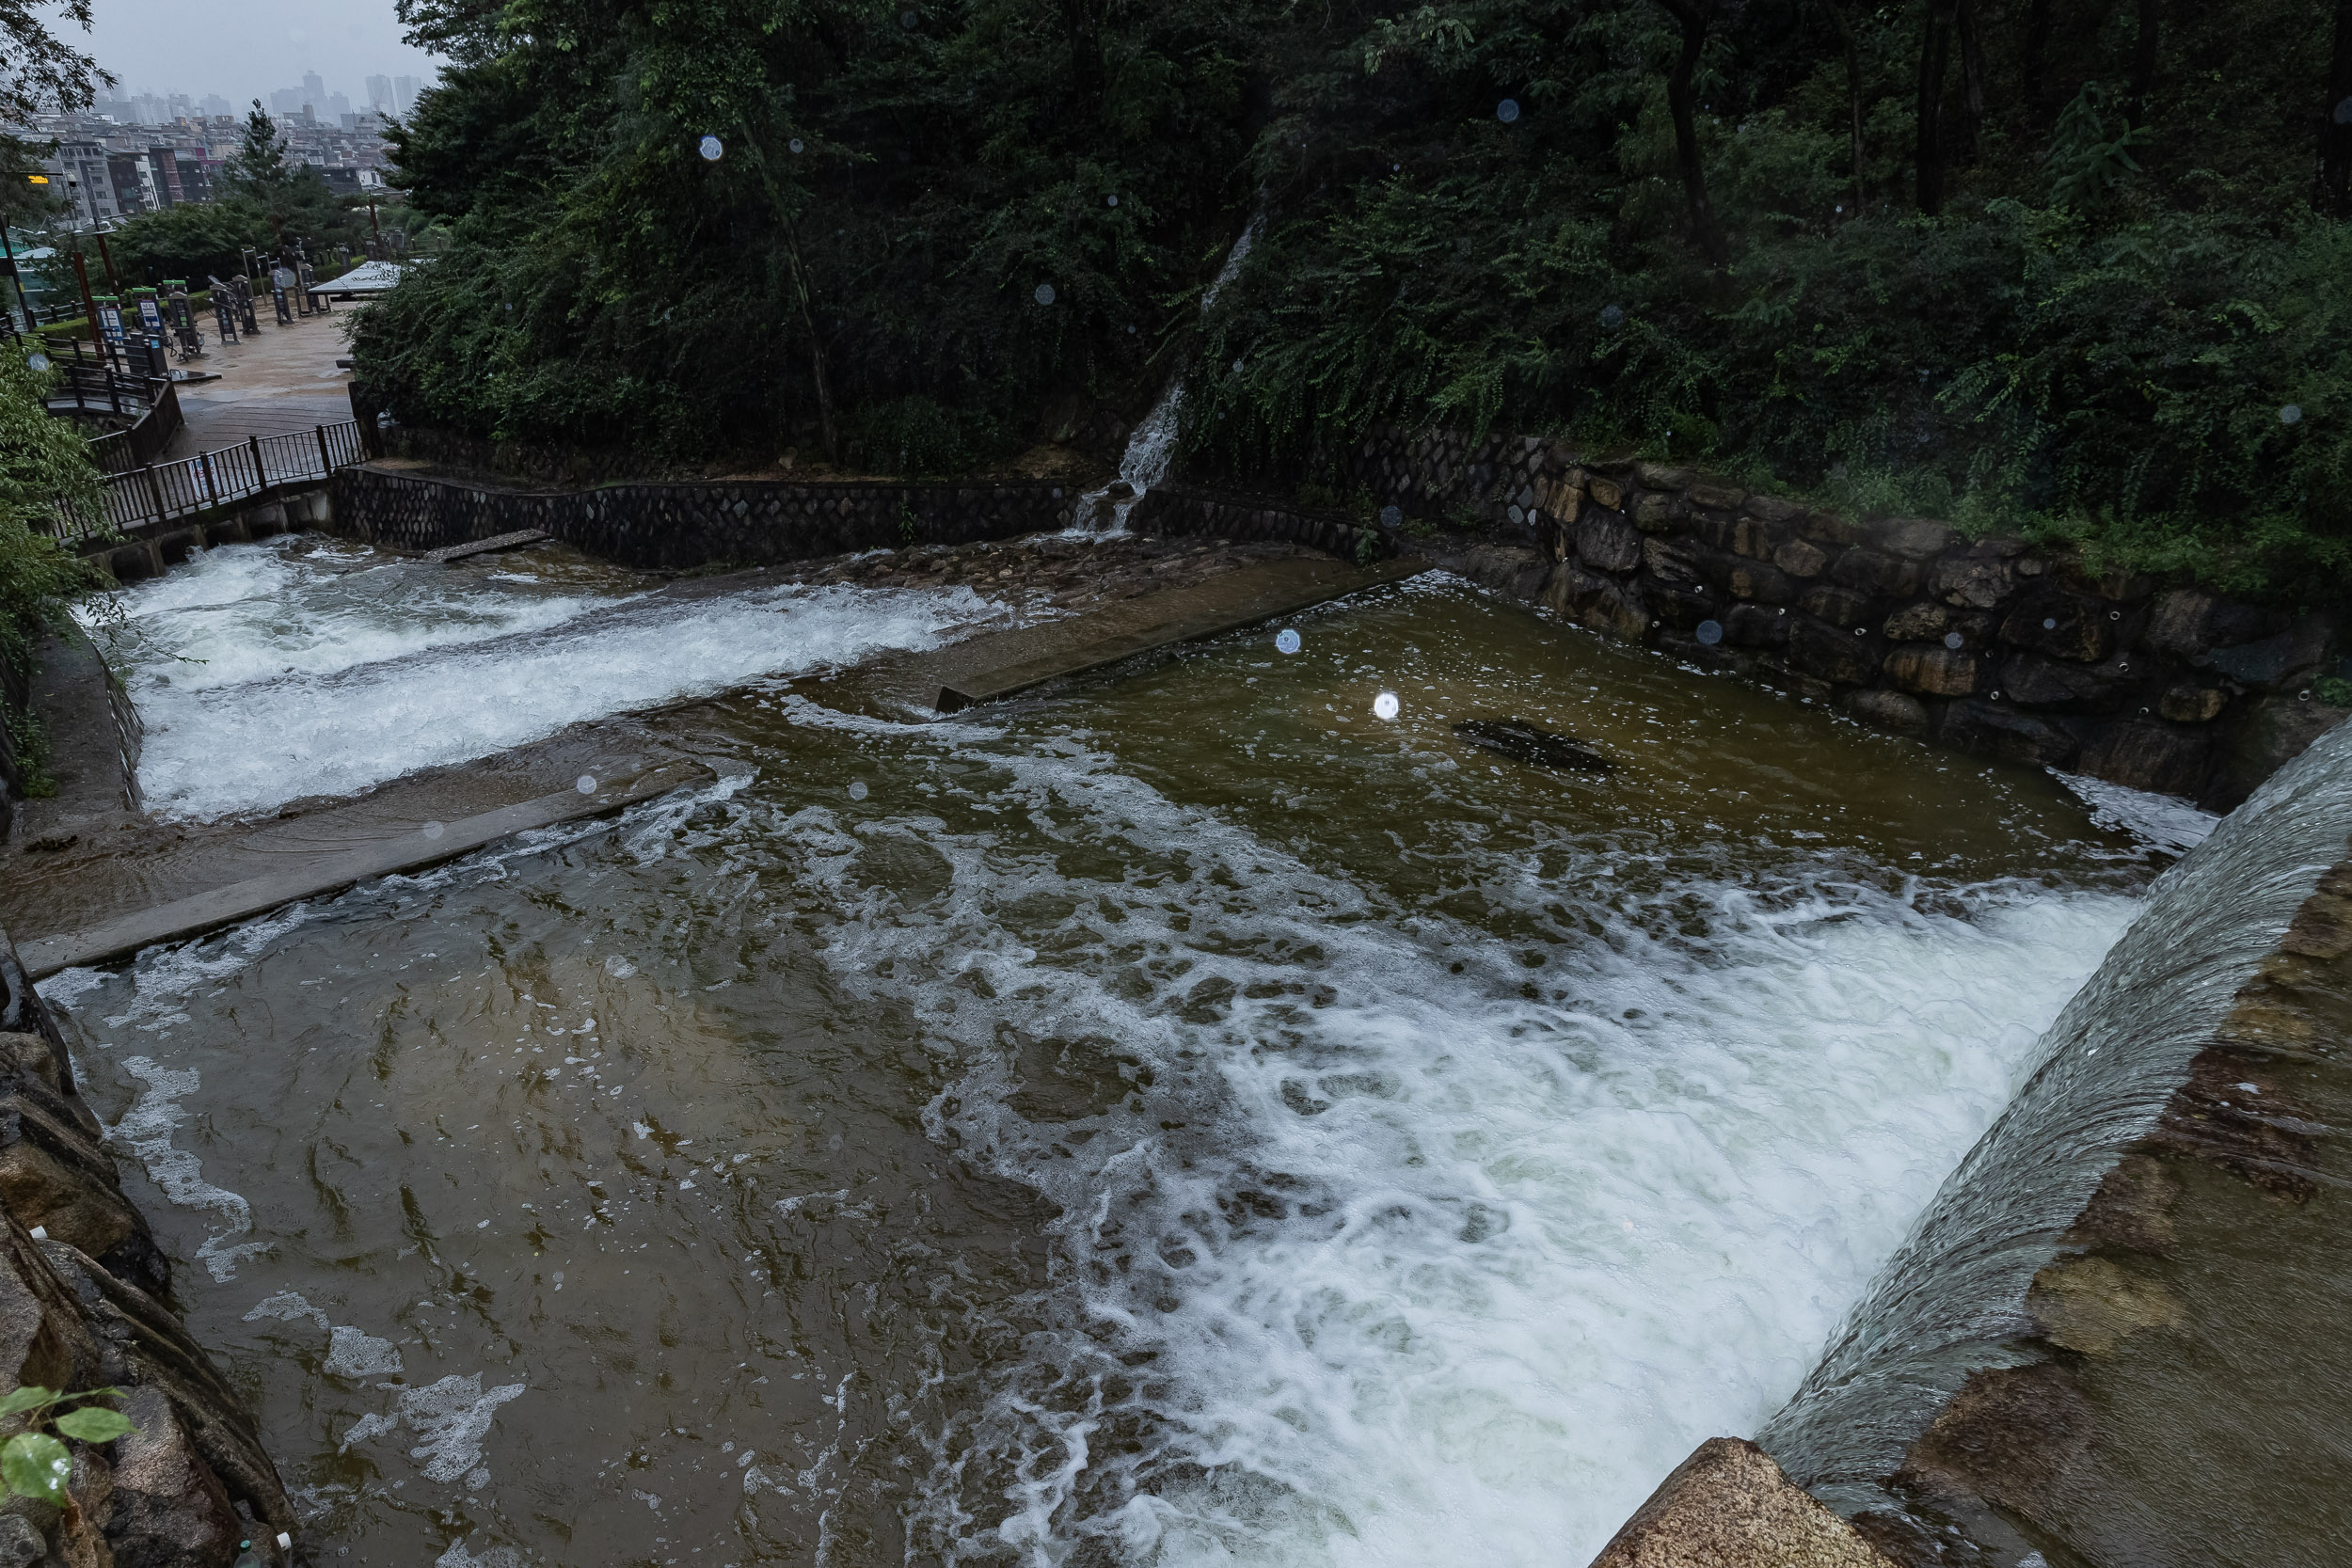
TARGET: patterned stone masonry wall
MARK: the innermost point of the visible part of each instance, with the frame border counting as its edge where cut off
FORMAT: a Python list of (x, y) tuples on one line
[(1991, 645), (679, 525)]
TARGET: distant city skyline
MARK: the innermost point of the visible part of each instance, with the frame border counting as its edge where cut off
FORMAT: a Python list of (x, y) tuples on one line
[(272, 46)]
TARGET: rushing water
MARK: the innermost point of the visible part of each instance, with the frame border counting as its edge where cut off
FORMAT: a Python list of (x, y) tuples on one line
[(1192, 1121)]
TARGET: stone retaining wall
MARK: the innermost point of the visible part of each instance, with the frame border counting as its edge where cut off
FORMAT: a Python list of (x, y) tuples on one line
[(1989, 645), (83, 1294), (679, 525)]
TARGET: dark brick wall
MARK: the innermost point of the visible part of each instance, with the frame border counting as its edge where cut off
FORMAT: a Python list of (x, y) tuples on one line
[(679, 525)]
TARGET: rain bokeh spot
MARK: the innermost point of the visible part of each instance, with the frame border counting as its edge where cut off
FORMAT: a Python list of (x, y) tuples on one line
[(1286, 640), (36, 363), (1710, 632), (796, 144), (712, 148), (431, 829), (857, 789), (1952, 639), (2048, 624), (1045, 294), (1507, 111), (908, 20), (2291, 414), (585, 783), (1612, 317), (1385, 705), (1392, 515), (1111, 201)]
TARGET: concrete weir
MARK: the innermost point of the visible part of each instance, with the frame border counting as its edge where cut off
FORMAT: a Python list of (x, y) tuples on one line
[(326, 875), (2119, 1333)]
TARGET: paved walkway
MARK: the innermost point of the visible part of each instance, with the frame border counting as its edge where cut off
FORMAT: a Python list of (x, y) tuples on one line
[(280, 379)]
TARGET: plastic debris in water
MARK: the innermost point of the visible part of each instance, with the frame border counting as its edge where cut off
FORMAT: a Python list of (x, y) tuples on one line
[(1524, 742), (1385, 705), (586, 783), (712, 148)]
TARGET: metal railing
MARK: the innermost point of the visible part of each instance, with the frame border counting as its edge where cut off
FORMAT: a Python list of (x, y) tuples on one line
[(158, 493)]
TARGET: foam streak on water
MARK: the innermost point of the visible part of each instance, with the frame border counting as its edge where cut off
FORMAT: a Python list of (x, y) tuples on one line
[(262, 677), (1383, 1263)]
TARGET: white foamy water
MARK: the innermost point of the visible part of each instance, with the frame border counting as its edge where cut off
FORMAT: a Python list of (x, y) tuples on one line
[(262, 676), (1386, 1262)]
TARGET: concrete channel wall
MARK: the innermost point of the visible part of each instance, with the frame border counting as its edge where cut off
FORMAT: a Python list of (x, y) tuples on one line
[(85, 1296), (1989, 645)]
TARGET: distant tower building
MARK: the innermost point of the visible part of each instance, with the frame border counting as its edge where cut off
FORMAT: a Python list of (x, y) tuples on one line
[(286, 101), (403, 94), (313, 91), (214, 104), (380, 94)]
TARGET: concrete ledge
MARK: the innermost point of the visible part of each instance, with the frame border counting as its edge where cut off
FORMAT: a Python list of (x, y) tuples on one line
[(514, 541), (1239, 599), (335, 873), (1729, 1506)]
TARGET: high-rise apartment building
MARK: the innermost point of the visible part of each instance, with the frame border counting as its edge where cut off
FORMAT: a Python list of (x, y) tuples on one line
[(403, 94), (380, 95), (286, 101), (313, 91)]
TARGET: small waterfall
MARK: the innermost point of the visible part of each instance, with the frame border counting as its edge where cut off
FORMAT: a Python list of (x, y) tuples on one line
[(1153, 446), (1952, 1302)]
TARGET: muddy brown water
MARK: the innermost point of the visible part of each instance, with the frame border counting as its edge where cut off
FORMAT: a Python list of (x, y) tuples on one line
[(1183, 1117)]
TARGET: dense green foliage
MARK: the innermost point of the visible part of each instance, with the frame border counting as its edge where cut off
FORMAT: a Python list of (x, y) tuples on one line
[(2121, 324), (42, 459)]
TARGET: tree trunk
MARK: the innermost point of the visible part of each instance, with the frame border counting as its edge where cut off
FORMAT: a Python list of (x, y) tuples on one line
[(1693, 16), (1935, 55), (2034, 60), (816, 349), (1853, 94), (2335, 125), (2143, 64), (1971, 74), (1083, 21)]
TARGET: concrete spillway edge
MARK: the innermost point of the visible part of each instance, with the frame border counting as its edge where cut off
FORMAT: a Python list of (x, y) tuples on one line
[(201, 912)]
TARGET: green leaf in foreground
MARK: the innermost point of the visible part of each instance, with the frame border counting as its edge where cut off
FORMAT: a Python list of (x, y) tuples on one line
[(36, 1464), (94, 1425), (29, 1398)]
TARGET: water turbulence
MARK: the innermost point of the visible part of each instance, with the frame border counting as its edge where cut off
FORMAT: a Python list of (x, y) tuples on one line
[(1189, 1122), (1952, 1302)]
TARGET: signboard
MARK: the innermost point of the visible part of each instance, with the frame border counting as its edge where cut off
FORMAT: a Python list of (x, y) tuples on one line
[(110, 322), (151, 314)]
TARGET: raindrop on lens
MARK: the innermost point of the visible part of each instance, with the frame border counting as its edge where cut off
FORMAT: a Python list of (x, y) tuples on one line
[(795, 144), (1286, 640), (586, 783), (908, 20), (1507, 111), (1112, 200), (1952, 639), (1045, 294), (1384, 706), (1710, 632), (2291, 414), (431, 829), (2050, 625), (1392, 515), (38, 363), (712, 148), (857, 789), (1612, 317)]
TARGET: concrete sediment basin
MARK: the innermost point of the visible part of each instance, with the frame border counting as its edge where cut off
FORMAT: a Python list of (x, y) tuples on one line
[(335, 873)]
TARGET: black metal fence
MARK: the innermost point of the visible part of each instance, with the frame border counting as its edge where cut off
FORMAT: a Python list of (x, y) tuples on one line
[(157, 493)]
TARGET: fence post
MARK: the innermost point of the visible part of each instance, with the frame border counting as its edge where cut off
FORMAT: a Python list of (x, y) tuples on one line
[(212, 491), (327, 467), (261, 476), (155, 489)]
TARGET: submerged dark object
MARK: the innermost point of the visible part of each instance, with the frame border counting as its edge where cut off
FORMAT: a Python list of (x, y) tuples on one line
[(1525, 743)]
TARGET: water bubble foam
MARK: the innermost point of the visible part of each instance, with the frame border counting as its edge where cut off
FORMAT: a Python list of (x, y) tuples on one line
[(1286, 640), (1385, 705)]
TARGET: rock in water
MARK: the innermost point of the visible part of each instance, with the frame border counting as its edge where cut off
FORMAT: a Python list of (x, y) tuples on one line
[(1525, 743)]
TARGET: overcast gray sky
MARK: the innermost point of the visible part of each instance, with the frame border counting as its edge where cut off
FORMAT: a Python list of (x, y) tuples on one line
[(243, 49)]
